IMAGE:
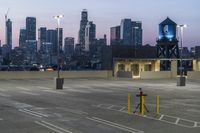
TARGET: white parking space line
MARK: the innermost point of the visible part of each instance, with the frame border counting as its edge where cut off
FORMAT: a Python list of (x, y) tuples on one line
[(116, 125), (52, 127), (100, 90), (79, 90), (110, 107), (195, 124), (21, 105), (87, 89), (161, 118), (51, 91), (42, 87), (30, 93), (177, 120), (23, 88), (33, 113), (122, 108), (21, 110)]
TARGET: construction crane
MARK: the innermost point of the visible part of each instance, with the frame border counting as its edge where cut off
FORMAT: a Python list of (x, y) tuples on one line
[(6, 18)]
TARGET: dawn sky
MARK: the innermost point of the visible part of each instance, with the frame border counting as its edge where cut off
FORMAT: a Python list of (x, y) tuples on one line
[(105, 14)]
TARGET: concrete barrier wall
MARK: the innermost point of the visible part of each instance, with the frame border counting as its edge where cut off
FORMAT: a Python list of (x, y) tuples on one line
[(156, 75), (52, 74), (124, 74), (193, 75)]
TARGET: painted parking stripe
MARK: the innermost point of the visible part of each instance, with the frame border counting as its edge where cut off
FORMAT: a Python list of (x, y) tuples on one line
[(52, 127), (78, 90), (177, 120), (110, 107), (30, 93), (100, 90), (33, 113), (122, 108), (23, 88), (161, 118), (51, 91), (195, 124), (42, 87), (21, 110), (116, 125)]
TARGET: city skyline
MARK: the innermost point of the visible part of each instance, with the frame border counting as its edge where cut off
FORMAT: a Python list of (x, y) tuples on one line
[(144, 11)]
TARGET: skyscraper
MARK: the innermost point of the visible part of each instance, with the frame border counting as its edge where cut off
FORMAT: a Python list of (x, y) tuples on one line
[(42, 37), (51, 38), (126, 31), (83, 23), (69, 46), (115, 35), (22, 37), (9, 34), (137, 33), (60, 38), (30, 28), (90, 34)]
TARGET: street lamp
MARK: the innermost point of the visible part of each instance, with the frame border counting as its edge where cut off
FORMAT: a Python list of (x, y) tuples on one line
[(182, 26), (135, 29), (59, 81), (58, 17), (181, 79)]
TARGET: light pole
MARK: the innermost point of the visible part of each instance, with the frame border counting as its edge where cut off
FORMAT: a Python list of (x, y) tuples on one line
[(135, 29), (59, 81), (181, 79), (182, 26)]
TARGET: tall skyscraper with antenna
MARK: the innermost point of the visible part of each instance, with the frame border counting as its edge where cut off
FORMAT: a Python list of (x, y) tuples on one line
[(83, 23), (8, 32)]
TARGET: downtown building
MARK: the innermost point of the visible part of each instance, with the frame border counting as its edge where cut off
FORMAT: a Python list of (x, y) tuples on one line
[(22, 37), (50, 36), (42, 38), (128, 33), (90, 35), (28, 42), (48, 45), (9, 34), (7, 47), (83, 24), (115, 35), (69, 46)]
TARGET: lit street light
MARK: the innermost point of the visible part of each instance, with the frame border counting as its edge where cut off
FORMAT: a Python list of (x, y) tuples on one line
[(59, 81), (181, 79), (181, 41)]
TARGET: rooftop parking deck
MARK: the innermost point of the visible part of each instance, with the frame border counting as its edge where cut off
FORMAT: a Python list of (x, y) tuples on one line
[(97, 105)]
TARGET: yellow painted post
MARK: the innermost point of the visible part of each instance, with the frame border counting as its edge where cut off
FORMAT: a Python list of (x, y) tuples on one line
[(129, 103), (142, 108), (157, 105)]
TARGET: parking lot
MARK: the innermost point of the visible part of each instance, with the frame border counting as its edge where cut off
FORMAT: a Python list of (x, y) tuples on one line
[(97, 106)]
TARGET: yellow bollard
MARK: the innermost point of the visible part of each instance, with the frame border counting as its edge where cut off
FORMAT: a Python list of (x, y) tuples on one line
[(129, 103), (142, 106), (157, 105)]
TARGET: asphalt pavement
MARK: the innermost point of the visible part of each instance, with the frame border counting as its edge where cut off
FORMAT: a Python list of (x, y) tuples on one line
[(97, 106)]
